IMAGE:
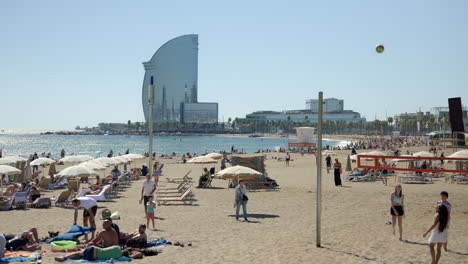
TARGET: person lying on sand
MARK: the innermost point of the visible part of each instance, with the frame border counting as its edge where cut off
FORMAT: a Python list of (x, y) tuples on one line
[(28, 241), (95, 253)]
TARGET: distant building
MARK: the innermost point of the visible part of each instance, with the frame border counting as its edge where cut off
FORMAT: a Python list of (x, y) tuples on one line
[(306, 115), (329, 105), (443, 112), (174, 67), (413, 116), (333, 110)]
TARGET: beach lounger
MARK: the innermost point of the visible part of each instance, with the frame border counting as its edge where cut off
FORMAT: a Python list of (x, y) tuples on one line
[(101, 197), (180, 179), (415, 179), (460, 179), (64, 198), (5, 206), (59, 184), (186, 198), (44, 182), (74, 185), (20, 200), (176, 192), (42, 202), (83, 192), (207, 183)]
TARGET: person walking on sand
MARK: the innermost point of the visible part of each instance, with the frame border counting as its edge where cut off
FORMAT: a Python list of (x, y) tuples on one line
[(328, 162), (147, 190), (241, 200), (444, 200), (397, 209), (337, 172), (287, 158), (439, 234)]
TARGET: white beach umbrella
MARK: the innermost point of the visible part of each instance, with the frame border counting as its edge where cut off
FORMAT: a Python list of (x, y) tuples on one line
[(459, 154), (376, 153), (5, 169), (6, 161), (134, 156), (401, 159), (93, 166), (15, 158), (214, 155), (98, 162), (423, 154), (42, 161), (238, 172), (76, 159), (108, 161), (77, 171), (202, 160), (123, 159)]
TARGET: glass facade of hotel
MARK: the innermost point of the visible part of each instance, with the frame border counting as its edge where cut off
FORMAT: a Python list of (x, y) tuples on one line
[(175, 70)]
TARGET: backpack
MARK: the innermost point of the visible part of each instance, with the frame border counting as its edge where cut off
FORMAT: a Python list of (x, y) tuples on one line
[(106, 213)]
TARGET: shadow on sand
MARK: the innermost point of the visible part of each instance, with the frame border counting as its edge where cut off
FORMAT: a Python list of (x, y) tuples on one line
[(351, 254), (258, 216)]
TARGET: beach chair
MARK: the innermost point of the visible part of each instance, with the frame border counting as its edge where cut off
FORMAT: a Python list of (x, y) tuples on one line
[(63, 199), (101, 197), (207, 183), (415, 179), (74, 185), (59, 184), (20, 200), (180, 186), (187, 198), (83, 192), (460, 179), (6, 205), (174, 192), (180, 179), (44, 182), (41, 202)]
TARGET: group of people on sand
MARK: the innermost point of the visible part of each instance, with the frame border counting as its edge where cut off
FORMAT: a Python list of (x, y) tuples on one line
[(438, 230)]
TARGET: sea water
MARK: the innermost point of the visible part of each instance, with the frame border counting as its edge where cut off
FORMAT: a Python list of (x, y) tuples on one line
[(100, 145)]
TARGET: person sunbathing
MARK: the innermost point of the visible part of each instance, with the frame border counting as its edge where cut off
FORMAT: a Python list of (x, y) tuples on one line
[(95, 253), (106, 238), (140, 233), (10, 190), (28, 241)]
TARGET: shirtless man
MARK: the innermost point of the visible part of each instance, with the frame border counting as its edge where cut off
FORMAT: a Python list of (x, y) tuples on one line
[(140, 233), (106, 238)]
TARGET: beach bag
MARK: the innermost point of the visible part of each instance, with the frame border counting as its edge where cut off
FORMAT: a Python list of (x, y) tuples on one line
[(106, 213), (341, 170), (115, 216), (245, 198)]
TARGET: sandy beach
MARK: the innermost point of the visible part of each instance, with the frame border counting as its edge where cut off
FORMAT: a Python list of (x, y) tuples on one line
[(282, 227)]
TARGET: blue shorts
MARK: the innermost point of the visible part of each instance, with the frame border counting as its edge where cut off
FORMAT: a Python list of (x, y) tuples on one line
[(88, 253)]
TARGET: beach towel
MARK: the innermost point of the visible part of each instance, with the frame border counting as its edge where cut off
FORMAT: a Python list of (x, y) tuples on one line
[(121, 259), (157, 243), (73, 233), (21, 256)]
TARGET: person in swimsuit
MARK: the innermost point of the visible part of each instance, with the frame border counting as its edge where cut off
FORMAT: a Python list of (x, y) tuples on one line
[(95, 253), (397, 209)]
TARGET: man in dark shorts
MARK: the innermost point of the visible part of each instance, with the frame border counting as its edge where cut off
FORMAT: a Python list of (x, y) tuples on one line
[(89, 214), (328, 162), (147, 190)]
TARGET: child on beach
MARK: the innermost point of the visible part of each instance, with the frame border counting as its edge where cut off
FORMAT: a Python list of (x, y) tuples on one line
[(150, 205)]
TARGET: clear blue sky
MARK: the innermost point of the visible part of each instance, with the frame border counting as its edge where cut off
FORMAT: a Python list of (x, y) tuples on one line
[(68, 63)]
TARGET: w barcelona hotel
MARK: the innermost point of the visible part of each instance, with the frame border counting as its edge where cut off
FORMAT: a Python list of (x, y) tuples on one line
[(174, 68)]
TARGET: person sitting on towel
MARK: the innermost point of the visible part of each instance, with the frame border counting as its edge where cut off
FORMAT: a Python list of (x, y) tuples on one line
[(106, 238)]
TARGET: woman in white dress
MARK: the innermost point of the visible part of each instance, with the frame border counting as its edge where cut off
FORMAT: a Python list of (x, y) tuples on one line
[(439, 232)]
